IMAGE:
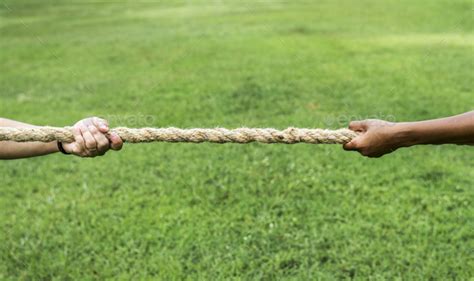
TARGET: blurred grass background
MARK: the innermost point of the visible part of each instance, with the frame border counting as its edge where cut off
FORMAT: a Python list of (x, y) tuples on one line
[(177, 211)]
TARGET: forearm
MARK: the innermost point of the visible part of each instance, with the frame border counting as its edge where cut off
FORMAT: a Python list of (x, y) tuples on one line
[(457, 129), (14, 150)]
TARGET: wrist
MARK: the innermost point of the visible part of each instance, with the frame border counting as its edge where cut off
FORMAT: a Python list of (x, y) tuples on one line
[(60, 148), (405, 134), (49, 147)]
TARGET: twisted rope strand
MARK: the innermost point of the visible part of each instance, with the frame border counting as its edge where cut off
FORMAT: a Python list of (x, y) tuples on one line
[(197, 135)]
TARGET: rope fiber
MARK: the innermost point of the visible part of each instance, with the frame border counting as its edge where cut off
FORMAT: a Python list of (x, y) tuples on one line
[(196, 135)]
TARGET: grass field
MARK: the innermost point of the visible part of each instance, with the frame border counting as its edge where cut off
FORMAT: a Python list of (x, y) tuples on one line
[(244, 212)]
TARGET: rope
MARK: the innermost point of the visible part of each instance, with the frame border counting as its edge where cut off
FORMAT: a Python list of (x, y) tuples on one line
[(217, 135)]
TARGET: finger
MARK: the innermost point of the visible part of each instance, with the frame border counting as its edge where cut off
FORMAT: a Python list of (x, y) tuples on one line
[(87, 153), (89, 140), (351, 146), (358, 126), (101, 140), (375, 155), (100, 123), (116, 142), (79, 143), (79, 151), (86, 122), (75, 149)]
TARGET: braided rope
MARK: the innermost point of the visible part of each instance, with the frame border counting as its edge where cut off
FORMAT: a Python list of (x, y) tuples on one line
[(216, 135)]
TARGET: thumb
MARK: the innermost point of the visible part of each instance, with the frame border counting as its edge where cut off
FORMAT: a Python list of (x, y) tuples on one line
[(358, 126), (116, 142)]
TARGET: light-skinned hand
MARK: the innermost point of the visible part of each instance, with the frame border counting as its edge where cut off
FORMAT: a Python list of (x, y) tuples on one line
[(92, 138)]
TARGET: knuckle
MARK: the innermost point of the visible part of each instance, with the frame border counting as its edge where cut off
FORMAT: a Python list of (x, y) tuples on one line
[(99, 121), (80, 145), (103, 145), (90, 144)]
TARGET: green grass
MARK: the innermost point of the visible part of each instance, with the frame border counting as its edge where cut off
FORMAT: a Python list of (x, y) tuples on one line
[(219, 212)]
